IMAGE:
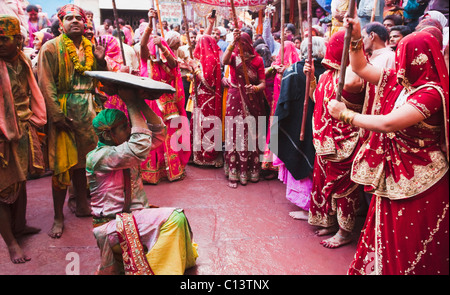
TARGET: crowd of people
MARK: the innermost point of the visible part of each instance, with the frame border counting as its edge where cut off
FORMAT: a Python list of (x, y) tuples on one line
[(378, 149)]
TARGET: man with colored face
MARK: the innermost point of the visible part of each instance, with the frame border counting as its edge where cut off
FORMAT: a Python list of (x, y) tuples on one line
[(71, 106), (20, 115)]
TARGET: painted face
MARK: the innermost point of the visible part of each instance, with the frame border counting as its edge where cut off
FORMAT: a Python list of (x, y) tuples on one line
[(73, 24), (89, 33), (8, 46), (121, 133)]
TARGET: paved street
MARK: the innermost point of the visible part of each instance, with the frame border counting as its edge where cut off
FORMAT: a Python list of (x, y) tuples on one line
[(243, 231)]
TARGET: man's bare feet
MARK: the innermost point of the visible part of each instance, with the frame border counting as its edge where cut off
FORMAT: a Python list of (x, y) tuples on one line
[(327, 231), (27, 230), (84, 211), (16, 254), (301, 215), (337, 240), (57, 229)]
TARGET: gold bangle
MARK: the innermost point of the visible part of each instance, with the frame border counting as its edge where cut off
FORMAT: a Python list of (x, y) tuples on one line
[(356, 45), (347, 116), (255, 88), (230, 47)]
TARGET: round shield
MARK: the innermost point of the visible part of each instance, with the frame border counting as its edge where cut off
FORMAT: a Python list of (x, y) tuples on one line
[(156, 88)]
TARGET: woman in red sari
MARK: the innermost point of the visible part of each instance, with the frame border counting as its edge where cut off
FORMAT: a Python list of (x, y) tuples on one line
[(114, 62), (334, 197), (245, 102), (207, 149), (404, 161), (170, 159), (290, 57)]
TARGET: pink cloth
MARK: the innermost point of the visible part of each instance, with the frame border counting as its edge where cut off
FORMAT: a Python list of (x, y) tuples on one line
[(298, 192), (8, 118)]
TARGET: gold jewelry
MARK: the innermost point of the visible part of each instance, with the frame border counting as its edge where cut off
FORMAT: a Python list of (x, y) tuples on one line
[(74, 56), (347, 116), (356, 45), (230, 47), (255, 88)]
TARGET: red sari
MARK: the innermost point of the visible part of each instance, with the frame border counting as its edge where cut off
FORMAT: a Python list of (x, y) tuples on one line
[(241, 161), (406, 230), (170, 159), (208, 105), (114, 61), (334, 197), (290, 57)]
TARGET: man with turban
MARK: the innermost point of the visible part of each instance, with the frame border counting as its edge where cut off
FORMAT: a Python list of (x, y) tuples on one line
[(22, 111), (133, 237), (69, 96)]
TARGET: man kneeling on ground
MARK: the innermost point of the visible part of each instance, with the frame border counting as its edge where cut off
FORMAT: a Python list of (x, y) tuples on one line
[(145, 239)]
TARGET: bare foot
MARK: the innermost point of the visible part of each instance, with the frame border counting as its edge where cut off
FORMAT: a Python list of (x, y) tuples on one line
[(16, 254), (326, 231), (27, 230), (83, 211), (57, 229), (301, 215), (337, 241), (72, 204)]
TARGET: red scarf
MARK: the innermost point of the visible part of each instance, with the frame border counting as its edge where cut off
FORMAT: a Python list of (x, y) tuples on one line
[(331, 137), (405, 163), (208, 52)]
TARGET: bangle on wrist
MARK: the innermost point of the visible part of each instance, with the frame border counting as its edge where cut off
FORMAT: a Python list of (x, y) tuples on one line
[(356, 45), (347, 116)]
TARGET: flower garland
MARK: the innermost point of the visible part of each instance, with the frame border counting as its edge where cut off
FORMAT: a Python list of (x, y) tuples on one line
[(74, 56)]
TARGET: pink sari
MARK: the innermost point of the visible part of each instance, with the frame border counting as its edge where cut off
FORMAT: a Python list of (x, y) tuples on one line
[(170, 159), (114, 60)]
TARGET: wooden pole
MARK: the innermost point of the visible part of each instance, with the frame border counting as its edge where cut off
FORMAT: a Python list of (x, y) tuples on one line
[(344, 60), (241, 50), (191, 55), (119, 31), (374, 9), (283, 11), (159, 18), (308, 77), (300, 18)]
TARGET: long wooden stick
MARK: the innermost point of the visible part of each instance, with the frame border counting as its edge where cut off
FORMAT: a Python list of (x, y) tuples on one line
[(283, 11), (374, 9), (308, 77), (189, 43), (241, 49), (300, 18), (344, 60), (119, 31), (159, 18)]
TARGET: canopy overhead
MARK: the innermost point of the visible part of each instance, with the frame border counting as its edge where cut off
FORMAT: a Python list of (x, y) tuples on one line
[(203, 7)]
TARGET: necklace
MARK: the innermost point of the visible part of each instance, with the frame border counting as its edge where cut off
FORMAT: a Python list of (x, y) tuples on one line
[(74, 56)]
